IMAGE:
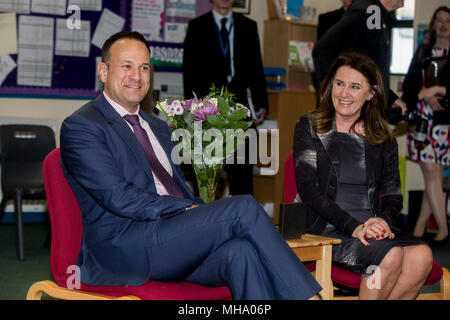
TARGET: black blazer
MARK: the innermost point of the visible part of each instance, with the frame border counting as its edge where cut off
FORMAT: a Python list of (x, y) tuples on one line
[(327, 20), (203, 61), (316, 159)]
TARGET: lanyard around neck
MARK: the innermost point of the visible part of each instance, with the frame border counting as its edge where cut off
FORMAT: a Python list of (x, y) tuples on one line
[(224, 47)]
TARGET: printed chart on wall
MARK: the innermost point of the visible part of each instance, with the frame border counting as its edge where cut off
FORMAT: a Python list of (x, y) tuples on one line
[(50, 48)]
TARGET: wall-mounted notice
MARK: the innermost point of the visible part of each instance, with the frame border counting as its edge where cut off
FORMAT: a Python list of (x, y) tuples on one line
[(87, 5), (181, 8), (175, 32), (8, 33), (109, 24), (72, 42), (7, 64), (18, 6), (148, 18), (53, 7), (35, 59)]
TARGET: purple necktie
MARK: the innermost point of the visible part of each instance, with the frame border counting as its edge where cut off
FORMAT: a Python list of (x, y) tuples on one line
[(156, 166)]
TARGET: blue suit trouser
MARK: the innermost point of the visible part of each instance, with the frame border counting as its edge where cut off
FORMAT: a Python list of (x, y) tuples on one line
[(230, 242)]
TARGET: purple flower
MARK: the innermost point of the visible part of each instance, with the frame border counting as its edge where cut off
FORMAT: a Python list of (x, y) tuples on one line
[(208, 109), (187, 104)]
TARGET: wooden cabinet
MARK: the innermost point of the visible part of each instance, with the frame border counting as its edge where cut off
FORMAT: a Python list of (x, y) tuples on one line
[(277, 34), (286, 107)]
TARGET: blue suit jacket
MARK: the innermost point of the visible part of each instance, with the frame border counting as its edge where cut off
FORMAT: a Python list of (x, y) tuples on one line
[(113, 183)]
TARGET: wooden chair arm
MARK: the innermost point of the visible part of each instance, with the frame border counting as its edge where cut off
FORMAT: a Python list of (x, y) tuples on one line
[(52, 289)]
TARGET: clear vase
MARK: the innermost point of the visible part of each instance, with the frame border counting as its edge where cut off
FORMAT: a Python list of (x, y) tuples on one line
[(208, 177)]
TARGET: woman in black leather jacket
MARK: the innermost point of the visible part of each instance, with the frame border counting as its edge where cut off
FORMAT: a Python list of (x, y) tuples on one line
[(429, 98), (346, 156)]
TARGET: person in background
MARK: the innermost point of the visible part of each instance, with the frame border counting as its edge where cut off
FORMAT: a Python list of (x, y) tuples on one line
[(140, 220), (329, 19), (430, 101), (364, 31), (345, 155), (222, 48)]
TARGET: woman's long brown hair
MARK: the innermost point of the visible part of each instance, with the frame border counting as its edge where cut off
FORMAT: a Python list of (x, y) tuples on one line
[(432, 33), (376, 128)]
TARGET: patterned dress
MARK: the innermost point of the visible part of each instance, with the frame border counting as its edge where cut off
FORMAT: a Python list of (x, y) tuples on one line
[(436, 145)]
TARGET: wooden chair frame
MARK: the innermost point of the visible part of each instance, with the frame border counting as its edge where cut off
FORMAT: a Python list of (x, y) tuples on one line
[(53, 290)]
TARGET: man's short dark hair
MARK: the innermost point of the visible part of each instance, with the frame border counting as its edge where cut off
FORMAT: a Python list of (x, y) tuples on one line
[(121, 35)]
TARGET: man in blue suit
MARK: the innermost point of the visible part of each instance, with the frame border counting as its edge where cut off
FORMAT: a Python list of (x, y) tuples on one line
[(140, 220)]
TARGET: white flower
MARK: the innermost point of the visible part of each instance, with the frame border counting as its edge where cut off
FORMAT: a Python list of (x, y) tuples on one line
[(213, 101), (162, 105), (195, 106)]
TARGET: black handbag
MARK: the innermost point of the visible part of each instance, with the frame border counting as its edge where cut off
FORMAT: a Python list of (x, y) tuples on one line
[(292, 220), (436, 73)]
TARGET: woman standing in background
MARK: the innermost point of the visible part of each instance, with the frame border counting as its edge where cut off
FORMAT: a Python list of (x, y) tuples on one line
[(429, 100)]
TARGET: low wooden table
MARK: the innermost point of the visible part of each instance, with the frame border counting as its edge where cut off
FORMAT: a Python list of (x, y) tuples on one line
[(319, 249)]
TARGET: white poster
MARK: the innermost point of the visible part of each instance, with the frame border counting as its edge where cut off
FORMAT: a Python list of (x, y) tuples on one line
[(35, 59), (17, 6), (87, 5), (147, 17), (109, 24), (76, 42), (181, 8), (53, 7), (175, 32)]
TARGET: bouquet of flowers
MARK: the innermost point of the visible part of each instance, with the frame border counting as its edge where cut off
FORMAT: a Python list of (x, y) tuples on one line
[(211, 129)]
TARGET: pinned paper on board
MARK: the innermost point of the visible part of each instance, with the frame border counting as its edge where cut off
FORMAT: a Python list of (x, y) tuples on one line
[(76, 42), (35, 59), (87, 5), (148, 18), (7, 65), (17, 6), (8, 33), (53, 7), (109, 24)]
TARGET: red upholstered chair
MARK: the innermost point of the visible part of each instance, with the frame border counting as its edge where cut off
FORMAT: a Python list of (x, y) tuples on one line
[(346, 278), (65, 216)]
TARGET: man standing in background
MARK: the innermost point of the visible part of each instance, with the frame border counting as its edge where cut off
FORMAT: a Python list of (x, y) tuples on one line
[(222, 48), (329, 19)]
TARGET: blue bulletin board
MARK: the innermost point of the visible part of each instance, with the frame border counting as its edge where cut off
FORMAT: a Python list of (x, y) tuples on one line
[(75, 76)]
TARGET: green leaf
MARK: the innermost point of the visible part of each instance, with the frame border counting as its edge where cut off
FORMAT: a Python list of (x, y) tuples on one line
[(241, 125), (238, 114), (223, 106), (216, 121), (188, 117)]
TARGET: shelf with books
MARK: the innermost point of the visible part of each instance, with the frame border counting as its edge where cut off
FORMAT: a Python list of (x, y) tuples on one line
[(288, 45)]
